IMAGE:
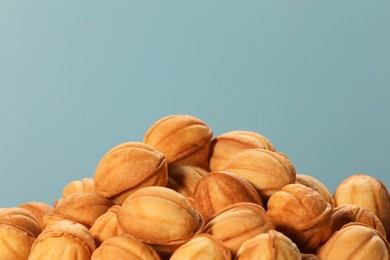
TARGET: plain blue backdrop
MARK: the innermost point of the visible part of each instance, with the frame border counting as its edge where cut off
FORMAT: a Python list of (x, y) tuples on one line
[(79, 77)]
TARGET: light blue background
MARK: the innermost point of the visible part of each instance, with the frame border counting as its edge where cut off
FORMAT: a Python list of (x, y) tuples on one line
[(79, 77)]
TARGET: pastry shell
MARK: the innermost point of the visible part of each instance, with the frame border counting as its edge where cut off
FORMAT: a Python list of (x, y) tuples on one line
[(238, 223), (84, 185), (202, 246), (106, 226), (184, 139), (225, 146), (83, 207), (38, 209), (366, 192), (269, 245), (218, 190), (171, 220), (63, 240), (266, 170), (316, 185), (124, 248), (355, 241), (352, 213), (18, 231), (302, 214), (128, 167)]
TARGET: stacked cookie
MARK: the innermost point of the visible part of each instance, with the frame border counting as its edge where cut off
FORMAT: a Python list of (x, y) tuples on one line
[(183, 194)]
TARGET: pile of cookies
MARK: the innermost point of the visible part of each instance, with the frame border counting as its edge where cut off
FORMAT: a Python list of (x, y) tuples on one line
[(183, 194)]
